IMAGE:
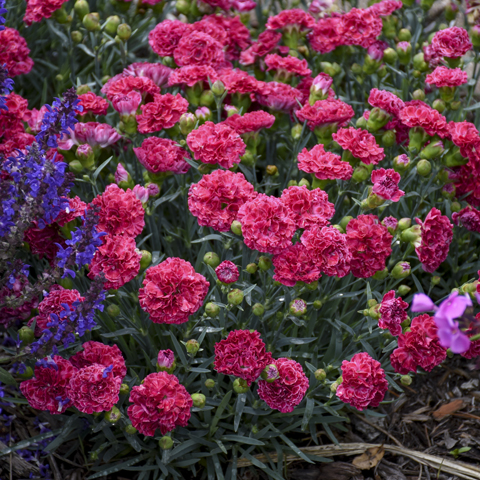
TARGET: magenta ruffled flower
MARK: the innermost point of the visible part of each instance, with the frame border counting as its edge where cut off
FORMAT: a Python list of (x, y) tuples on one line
[(227, 272)]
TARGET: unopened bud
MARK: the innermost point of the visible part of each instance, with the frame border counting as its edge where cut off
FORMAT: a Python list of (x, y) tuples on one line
[(124, 31), (439, 105), (85, 155), (404, 50), (192, 347), (91, 21), (404, 35), (112, 24), (419, 63), (81, 8), (433, 150), (411, 234), (455, 105), (271, 170), (403, 290), (235, 297), (401, 163), (435, 280), (361, 173), (298, 307), (270, 373), (131, 430), (212, 309), (212, 259), (258, 309), (388, 138), (27, 373), (199, 400), (404, 223), (264, 263), (372, 303), (240, 386), (406, 380), (424, 168), (113, 310), (418, 95), (390, 56), (166, 361), (114, 415), (76, 36), (165, 443), (207, 98), (401, 270), (146, 259), (317, 304), (218, 88), (187, 123), (26, 335), (210, 383), (296, 131), (124, 389), (455, 207), (252, 268), (236, 227), (320, 374)]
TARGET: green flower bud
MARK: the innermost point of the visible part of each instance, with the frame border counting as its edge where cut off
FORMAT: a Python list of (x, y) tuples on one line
[(372, 303), (435, 280), (183, 6), (406, 380), (236, 227), (401, 270), (209, 383), (292, 183), (252, 268), (333, 387), (271, 170), (418, 95), (390, 56), (298, 307), (218, 88), (27, 374), (374, 312), (165, 443), (76, 36), (146, 259), (416, 74), (258, 309), (26, 334), (455, 207), (81, 8), (187, 123), (381, 275), (235, 297), (124, 389), (388, 138), (419, 63), (248, 159), (312, 286), (404, 50), (91, 21), (404, 35), (344, 221), (199, 400), (455, 105), (113, 310), (131, 430), (424, 168), (112, 24), (114, 415), (475, 36), (212, 259), (75, 166), (240, 386), (207, 98), (296, 131), (411, 234), (212, 310), (320, 374), (439, 105), (304, 183), (403, 290), (404, 223), (317, 304), (264, 263), (192, 347), (270, 373), (124, 31), (378, 119), (356, 68), (361, 173), (361, 122)]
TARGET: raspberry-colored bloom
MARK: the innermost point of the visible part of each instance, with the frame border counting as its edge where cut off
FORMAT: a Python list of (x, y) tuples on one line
[(54, 303), (94, 389), (324, 165), (329, 250), (238, 81), (418, 347), (468, 217), (464, 135), (361, 144), (10, 315), (47, 390), (452, 42), (250, 122), (267, 41), (325, 36), (11, 120), (164, 38), (474, 348), (447, 77), (421, 115), (37, 10), (100, 354), (308, 208), (14, 52), (323, 112), (295, 264), (385, 100), (128, 103), (121, 213), (157, 72), (291, 19), (192, 74), (285, 393), (118, 259), (278, 96), (76, 208), (392, 313), (436, 236), (92, 103), (216, 144), (385, 184), (198, 48), (217, 197), (286, 66), (121, 85), (266, 224), (359, 27), (364, 383), (160, 402), (43, 241), (390, 222), (227, 272), (172, 291), (217, 32), (242, 354), (386, 7), (163, 112), (369, 243), (162, 155)]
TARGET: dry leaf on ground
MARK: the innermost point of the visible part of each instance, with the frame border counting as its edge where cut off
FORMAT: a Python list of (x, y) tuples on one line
[(369, 459), (448, 409)]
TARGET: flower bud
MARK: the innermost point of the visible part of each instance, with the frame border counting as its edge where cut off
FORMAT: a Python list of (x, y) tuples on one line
[(165, 443), (270, 373), (212, 259), (85, 155), (404, 50), (209, 383), (231, 110), (114, 415), (26, 335), (449, 191), (439, 105), (203, 114), (76, 36), (304, 183), (401, 163), (361, 173), (418, 95), (271, 170), (235, 297), (218, 88), (334, 385), (258, 309), (320, 375), (124, 389), (298, 307), (192, 347), (433, 150), (455, 105), (381, 274), (207, 98), (419, 63), (240, 386), (296, 131), (112, 24), (91, 21), (455, 207), (424, 168), (113, 310), (212, 310), (27, 373), (131, 430), (406, 380), (141, 193), (264, 263), (199, 400), (292, 183), (187, 123), (454, 158), (146, 259), (475, 36), (252, 268), (401, 270), (124, 31), (166, 361), (388, 139), (236, 227), (81, 8), (404, 35), (75, 166), (403, 290), (411, 234), (390, 56), (404, 223), (317, 304), (435, 280), (183, 7), (378, 119), (361, 123)]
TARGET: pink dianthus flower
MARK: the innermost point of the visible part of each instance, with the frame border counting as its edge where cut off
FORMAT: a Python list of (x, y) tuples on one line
[(385, 184), (197, 48), (359, 27), (447, 77), (227, 272), (192, 74), (324, 112), (163, 112), (287, 66), (295, 264), (291, 19), (452, 42), (37, 10), (14, 52), (468, 217), (361, 144), (250, 122), (421, 115), (92, 103), (385, 100), (324, 165), (392, 313), (164, 38)]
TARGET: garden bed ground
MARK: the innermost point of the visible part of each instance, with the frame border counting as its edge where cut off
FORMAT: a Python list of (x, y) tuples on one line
[(438, 413)]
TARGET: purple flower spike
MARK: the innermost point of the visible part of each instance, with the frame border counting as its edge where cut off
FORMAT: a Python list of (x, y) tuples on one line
[(422, 303)]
